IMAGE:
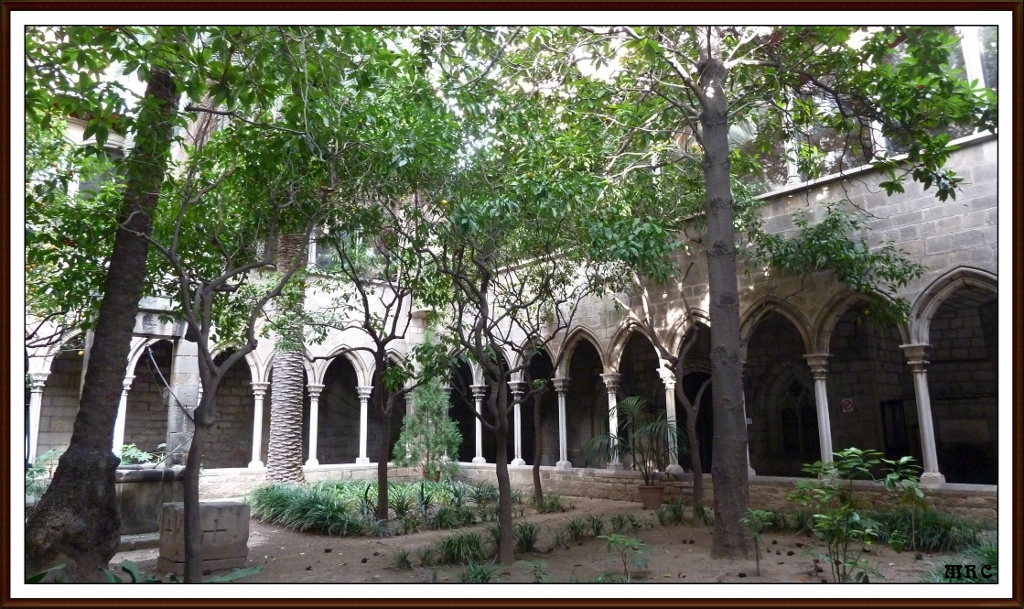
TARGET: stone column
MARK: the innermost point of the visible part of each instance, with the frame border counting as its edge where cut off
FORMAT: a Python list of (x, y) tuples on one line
[(259, 391), (611, 382), (479, 391), (314, 421), (122, 414), (819, 371), (35, 411), (517, 394), (364, 400), (562, 387), (669, 379), (182, 401), (916, 358)]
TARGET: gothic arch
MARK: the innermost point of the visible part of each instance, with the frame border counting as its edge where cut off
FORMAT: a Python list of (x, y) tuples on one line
[(579, 333), (829, 317), (773, 304), (617, 345), (364, 370), (934, 295), (676, 334)]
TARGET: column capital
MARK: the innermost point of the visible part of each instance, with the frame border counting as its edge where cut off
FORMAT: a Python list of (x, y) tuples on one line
[(38, 380), (314, 390), (364, 392), (611, 381), (668, 377), (479, 391), (561, 384), (127, 382), (260, 388), (818, 363), (916, 355), (517, 386)]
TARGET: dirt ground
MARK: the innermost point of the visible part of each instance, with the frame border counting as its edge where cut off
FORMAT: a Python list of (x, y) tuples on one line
[(679, 554)]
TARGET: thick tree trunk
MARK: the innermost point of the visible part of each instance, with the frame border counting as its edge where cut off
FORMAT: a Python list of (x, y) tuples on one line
[(729, 462), (77, 521), (284, 450), (695, 462)]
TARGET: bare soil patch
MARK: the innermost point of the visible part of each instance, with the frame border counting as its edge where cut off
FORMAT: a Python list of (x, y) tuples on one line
[(677, 554)]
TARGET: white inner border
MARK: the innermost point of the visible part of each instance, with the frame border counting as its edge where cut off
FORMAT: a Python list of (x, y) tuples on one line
[(21, 19)]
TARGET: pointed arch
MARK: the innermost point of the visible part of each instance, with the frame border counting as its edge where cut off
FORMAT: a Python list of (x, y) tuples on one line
[(677, 332), (773, 304), (364, 370), (833, 310), (572, 340), (618, 343), (938, 291)]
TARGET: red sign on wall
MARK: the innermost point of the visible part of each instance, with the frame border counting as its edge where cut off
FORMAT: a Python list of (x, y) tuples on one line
[(846, 404)]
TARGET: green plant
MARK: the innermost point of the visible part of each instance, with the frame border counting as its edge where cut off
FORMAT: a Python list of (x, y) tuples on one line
[(576, 529), (460, 548), (596, 524), (903, 480), (458, 493), (409, 523), (631, 551), (706, 515), (928, 530), (538, 570), (425, 556), (35, 578), (619, 524), (549, 504), (38, 476), (480, 573), (560, 537), (484, 493), (400, 499), (524, 535), (983, 556), (429, 436), (757, 521), (445, 518), (401, 560), (672, 513), (131, 454), (838, 518), (644, 438)]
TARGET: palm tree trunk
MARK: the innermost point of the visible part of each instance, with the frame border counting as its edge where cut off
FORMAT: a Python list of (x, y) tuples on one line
[(284, 451)]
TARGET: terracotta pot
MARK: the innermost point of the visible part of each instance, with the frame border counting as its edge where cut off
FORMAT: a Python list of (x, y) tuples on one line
[(651, 496)]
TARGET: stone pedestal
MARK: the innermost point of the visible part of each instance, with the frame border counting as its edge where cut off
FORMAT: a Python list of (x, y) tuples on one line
[(224, 541)]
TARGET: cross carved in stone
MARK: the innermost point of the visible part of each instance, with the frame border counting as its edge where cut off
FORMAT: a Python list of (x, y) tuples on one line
[(213, 532)]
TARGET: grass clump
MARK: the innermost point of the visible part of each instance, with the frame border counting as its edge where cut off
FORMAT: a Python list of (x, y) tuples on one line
[(524, 535), (983, 554), (461, 548), (480, 573), (401, 561)]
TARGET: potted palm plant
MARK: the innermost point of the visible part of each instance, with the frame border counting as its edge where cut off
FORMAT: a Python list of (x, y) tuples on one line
[(643, 436)]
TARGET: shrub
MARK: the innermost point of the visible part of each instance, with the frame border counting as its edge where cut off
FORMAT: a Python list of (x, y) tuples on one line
[(429, 437), (576, 529), (596, 524), (980, 555), (619, 523), (461, 548), (401, 561), (425, 556), (479, 573), (927, 530), (549, 504), (524, 535), (401, 499)]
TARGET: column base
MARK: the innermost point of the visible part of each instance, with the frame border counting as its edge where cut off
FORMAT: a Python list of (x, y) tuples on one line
[(750, 472), (363, 461), (518, 462), (312, 462), (256, 465), (615, 467), (563, 465), (675, 469), (932, 479), (479, 460)]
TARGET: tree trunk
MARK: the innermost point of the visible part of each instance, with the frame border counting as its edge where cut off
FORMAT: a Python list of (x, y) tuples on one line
[(729, 462), (383, 448), (284, 451), (77, 520), (695, 462), (193, 525), (538, 491), (498, 403)]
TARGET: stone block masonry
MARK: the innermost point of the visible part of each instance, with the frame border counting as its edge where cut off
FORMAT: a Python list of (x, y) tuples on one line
[(224, 539)]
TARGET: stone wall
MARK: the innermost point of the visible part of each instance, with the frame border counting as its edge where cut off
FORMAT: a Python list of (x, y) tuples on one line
[(60, 402), (234, 483), (229, 440)]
